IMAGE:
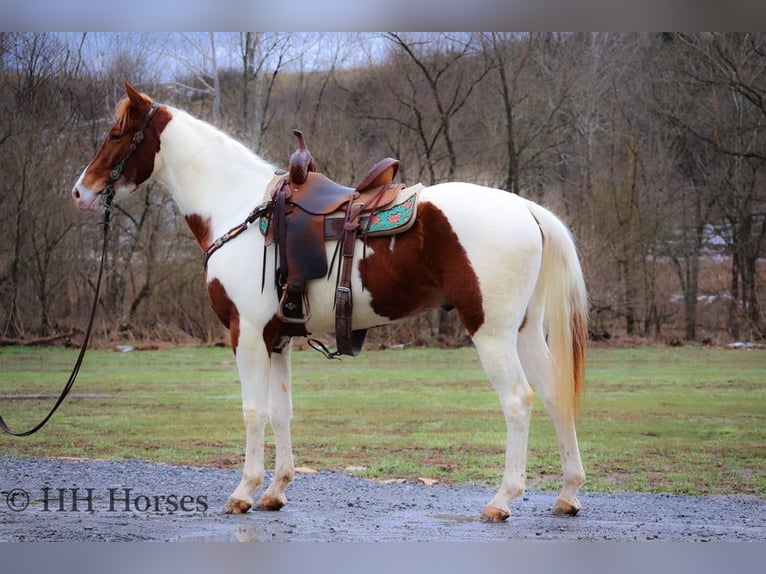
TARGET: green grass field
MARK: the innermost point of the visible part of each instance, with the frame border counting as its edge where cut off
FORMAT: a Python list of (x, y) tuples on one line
[(684, 420)]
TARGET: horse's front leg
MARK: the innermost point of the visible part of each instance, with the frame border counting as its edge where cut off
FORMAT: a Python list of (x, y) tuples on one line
[(280, 415), (253, 366)]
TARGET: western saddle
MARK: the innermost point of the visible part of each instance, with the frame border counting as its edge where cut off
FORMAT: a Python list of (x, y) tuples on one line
[(306, 209)]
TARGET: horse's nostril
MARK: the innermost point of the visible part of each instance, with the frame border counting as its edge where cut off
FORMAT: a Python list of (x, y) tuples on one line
[(76, 193)]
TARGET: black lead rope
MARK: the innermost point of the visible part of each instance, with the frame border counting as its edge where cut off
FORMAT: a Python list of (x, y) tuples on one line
[(86, 339), (109, 194)]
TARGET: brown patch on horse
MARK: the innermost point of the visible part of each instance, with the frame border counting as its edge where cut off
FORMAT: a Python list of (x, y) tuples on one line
[(271, 333), (225, 310), (130, 116), (421, 269), (200, 228)]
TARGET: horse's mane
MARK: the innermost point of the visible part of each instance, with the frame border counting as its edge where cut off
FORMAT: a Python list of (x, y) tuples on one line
[(122, 109), (232, 146)]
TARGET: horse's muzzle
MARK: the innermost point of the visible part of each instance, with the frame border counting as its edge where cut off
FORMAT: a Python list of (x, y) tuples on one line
[(84, 198)]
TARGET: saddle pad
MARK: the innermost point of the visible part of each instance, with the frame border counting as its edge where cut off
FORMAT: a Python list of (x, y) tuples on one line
[(398, 217)]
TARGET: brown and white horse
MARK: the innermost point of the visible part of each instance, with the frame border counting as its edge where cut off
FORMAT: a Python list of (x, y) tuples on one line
[(509, 268)]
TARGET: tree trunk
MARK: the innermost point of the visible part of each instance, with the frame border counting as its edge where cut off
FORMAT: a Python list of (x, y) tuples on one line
[(629, 296), (247, 75), (734, 323), (13, 327), (750, 305)]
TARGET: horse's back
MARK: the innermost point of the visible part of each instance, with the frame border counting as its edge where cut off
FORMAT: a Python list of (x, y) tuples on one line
[(495, 227), (481, 212)]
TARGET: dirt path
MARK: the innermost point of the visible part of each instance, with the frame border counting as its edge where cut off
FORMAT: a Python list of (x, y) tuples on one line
[(142, 501)]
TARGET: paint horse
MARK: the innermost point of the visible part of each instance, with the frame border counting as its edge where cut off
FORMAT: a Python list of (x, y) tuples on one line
[(507, 266)]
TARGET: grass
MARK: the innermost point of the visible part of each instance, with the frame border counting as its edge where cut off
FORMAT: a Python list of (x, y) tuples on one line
[(685, 420)]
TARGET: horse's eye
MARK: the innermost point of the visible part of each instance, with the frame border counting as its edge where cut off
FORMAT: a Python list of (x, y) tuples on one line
[(115, 137)]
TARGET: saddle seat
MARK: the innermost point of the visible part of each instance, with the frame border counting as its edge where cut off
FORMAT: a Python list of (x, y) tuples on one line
[(320, 195), (306, 210)]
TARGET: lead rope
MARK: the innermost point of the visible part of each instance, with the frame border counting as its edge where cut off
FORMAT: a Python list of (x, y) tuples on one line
[(109, 195), (108, 192)]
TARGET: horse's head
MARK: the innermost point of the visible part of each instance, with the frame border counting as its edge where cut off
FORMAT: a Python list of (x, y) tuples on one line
[(126, 158)]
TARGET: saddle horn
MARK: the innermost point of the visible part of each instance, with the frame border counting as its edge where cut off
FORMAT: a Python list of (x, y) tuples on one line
[(301, 162)]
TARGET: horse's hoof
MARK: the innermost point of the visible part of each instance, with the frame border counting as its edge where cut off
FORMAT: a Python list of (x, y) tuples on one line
[(563, 508), (271, 503), (236, 506), (494, 514)]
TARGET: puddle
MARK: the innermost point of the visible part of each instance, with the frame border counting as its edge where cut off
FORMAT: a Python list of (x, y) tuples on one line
[(246, 533), (241, 534), (269, 531), (457, 518)]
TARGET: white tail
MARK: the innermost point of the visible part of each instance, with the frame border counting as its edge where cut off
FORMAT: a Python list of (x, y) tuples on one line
[(566, 305)]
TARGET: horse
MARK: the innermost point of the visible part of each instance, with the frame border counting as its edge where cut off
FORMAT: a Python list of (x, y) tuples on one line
[(507, 266)]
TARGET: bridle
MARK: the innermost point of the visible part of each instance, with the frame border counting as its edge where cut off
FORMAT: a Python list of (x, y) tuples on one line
[(108, 198)]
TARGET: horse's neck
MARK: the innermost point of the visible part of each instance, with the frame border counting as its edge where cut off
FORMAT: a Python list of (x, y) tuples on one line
[(209, 174)]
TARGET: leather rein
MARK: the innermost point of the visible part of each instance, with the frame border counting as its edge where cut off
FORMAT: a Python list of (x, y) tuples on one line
[(108, 197)]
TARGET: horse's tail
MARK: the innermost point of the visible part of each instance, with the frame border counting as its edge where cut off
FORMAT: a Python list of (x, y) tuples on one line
[(566, 306)]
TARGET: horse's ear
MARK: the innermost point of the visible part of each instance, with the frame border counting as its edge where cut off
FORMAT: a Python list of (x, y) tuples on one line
[(135, 97)]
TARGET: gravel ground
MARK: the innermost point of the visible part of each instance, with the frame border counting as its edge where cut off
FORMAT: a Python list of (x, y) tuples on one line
[(135, 500)]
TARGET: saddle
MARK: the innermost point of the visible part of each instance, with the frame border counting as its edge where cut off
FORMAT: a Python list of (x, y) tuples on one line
[(306, 209)]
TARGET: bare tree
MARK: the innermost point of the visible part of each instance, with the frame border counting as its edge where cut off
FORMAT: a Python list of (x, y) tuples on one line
[(194, 63), (725, 73), (691, 200), (38, 112), (439, 78), (265, 55), (532, 91), (619, 190)]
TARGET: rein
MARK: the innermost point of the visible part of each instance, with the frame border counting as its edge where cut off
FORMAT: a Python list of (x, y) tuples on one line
[(108, 195)]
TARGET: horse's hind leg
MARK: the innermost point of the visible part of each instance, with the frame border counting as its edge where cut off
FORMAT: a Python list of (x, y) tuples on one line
[(253, 367), (560, 407), (280, 415), (501, 363)]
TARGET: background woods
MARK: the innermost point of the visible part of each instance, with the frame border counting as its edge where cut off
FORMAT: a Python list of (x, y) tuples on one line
[(651, 146)]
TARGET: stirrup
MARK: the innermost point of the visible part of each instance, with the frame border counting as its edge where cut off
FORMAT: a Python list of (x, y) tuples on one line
[(305, 306)]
